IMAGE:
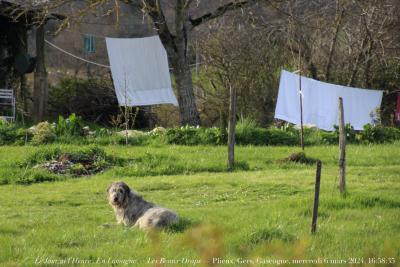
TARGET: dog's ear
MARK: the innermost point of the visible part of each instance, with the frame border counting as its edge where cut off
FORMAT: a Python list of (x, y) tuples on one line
[(108, 188), (126, 188)]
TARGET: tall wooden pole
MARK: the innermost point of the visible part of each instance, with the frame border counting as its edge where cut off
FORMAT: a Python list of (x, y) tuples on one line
[(301, 107), (301, 116), (40, 89), (231, 127), (316, 197), (342, 148), (126, 111)]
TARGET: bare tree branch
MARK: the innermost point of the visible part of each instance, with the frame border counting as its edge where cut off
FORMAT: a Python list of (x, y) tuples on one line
[(220, 11)]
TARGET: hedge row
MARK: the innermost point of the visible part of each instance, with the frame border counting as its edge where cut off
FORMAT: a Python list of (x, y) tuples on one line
[(69, 131)]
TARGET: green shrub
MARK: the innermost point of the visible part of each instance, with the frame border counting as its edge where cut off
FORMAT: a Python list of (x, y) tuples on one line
[(332, 138), (276, 136), (186, 135), (329, 138), (392, 134), (43, 134), (299, 157), (212, 136), (85, 97), (379, 134), (11, 134), (7, 134), (71, 126), (254, 136), (42, 155), (248, 133), (138, 140), (189, 135)]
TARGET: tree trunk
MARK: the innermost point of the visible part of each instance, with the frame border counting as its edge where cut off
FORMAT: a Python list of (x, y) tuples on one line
[(333, 45), (231, 127), (177, 43), (368, 63), (356, 65), (186, 98), (182, 72), (40, 89)]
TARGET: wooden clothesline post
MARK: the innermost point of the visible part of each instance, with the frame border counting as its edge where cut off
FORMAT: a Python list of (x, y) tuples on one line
[(231, 127), (301, 107), (126, 112), (342, 149)]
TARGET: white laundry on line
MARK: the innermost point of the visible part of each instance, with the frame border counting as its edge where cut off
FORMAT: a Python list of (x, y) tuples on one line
[(320, 103), (140, 71)]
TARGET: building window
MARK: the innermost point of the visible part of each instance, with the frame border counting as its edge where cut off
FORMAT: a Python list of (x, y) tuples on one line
[(89, 45)]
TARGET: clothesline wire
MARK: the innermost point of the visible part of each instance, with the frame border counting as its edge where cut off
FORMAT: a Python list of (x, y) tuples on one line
[(91, 34), (89, 61), (75, 56), (116, 24)]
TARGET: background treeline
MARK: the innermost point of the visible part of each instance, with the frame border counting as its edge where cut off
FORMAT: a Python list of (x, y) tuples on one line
[(354, 43)]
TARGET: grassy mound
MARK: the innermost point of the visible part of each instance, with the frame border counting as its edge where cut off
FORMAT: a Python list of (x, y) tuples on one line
[(298, 158), (53, 163)]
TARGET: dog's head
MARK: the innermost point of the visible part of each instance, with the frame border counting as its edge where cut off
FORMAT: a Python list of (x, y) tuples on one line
[(118, 193)]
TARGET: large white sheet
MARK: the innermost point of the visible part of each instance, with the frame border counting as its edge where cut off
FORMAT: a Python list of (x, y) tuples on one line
[(320, 103), (140, 71)]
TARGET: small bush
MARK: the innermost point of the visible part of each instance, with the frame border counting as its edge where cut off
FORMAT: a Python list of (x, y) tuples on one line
[(298, 158), (248, 132), (189, 135), (71, 126), (212, 136), (333, 137), (251, 136), (379, 134), (88, 98), (10, 134), (138, 140), (276, 136), (44, 134), (182, 136)]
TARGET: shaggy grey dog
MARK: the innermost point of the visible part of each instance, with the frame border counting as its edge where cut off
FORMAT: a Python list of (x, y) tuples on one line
[(132, 210)]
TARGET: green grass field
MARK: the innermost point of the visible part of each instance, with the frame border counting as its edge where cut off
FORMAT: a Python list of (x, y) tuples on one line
[(260, 211)]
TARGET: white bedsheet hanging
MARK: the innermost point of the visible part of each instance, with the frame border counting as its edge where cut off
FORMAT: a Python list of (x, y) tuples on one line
[(320, 103), (140, 71)]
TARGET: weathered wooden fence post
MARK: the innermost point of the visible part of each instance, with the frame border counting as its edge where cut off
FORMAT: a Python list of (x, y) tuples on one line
[(231, 127), (342, 149), (316, 197)]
